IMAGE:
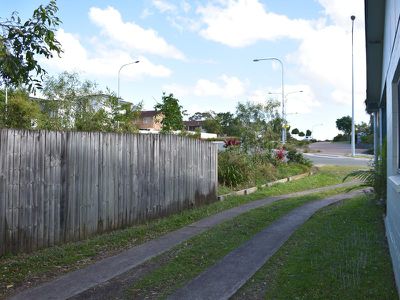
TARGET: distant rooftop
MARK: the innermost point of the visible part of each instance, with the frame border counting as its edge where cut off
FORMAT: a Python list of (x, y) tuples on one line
[(148, 113)]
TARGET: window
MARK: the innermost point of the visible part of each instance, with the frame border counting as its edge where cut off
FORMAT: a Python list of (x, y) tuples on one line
[(147, 120)]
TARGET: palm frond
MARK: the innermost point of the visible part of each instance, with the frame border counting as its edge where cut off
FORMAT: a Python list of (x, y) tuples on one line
[(366, 176)]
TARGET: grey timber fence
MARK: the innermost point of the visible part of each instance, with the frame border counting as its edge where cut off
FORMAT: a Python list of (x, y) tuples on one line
[(57, 187)]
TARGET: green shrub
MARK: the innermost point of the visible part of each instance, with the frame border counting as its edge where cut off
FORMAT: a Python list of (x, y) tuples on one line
[(341, 138), (296, 157), (367, 139), (265, 173), (234, 167), (370, 151), (20, 112), (265, 158)]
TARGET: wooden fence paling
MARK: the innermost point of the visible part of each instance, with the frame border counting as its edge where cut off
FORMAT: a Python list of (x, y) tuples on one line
[(57, 187)]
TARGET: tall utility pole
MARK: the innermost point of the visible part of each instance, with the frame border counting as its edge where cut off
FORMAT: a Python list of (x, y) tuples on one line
[(353, 133)]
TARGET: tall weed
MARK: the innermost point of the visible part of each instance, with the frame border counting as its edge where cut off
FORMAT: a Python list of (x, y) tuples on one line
[(235, 167)]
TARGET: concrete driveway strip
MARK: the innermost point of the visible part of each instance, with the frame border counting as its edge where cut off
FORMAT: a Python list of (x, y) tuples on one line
[(74, 283), (224, 279)]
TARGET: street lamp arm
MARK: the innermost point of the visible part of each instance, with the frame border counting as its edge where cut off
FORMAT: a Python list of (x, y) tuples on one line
[(119, 71), (294, 92), (287, 94), (131, 63)]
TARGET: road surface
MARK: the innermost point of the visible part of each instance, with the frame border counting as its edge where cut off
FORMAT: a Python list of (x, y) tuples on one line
[(327, 153), (326, 159)]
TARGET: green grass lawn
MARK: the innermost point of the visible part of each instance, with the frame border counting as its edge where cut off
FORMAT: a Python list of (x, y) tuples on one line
[(47, 263), (340, 253), (196, 255)]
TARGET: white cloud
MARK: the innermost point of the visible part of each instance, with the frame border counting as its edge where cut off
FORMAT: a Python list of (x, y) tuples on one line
[(146, 13), (164, 6), (303, 102), (339, 11), (101, 62), (239, 23), (186, 7), (227, 87), (178, 15), (183, 23), (179, 91), (324, 55), (131, 36)]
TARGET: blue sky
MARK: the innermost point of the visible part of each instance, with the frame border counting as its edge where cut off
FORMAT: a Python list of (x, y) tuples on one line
[(202, 51)]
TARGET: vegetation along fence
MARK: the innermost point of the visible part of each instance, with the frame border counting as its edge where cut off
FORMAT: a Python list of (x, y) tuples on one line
[(65, 186)]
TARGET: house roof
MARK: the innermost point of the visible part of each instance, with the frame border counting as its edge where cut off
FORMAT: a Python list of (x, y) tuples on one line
[(193, 123), (148, 113), (374, 32)]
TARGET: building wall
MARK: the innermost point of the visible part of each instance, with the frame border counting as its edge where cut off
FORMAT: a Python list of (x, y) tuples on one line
[(153, 122), (391, 78), (391, 20)]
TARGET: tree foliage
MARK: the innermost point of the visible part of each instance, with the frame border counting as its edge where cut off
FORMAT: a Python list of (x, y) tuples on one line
[(20, 112), (172, 113), (202, 116), (260, 125), (212, 125), (69, 104), (210, 122), (364, 128), (295, 131), (308, 132), (365, 132), (344, 124), (230, 125), (22, 42)]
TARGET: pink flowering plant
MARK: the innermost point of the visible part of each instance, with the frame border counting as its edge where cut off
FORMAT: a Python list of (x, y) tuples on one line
[(281, 154)]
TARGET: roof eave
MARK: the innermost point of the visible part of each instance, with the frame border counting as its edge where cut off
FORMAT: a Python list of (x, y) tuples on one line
[(374, 34)]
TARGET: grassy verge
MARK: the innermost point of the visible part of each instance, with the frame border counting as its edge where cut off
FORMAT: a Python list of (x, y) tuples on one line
[(286, 170), (191, 258), (279, 172), (340, 253), (47, 263)]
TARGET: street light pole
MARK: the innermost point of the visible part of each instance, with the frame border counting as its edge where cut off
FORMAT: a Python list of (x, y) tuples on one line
[(353, 134), (283, 94), (119, 71)]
